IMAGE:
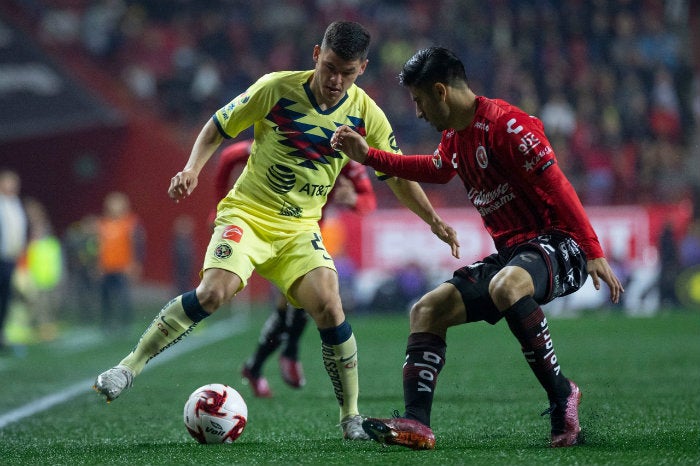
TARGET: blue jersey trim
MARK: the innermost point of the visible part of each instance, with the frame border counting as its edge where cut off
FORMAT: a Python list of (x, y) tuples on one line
[(312, 99), (220, 128)]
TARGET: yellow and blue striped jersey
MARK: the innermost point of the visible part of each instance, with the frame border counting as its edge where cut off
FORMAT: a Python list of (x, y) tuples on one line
[(292, 166)]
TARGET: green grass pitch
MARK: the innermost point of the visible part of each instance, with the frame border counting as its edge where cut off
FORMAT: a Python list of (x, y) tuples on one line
[(640, 379)]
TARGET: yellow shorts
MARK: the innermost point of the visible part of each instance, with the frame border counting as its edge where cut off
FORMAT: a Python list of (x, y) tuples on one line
[(281, 256)]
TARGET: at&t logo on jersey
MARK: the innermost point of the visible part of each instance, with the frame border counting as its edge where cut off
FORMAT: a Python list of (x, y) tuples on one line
[(280, 178), (314, 190)]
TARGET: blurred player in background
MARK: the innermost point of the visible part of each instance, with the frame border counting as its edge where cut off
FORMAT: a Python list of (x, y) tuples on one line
[(122, 249), (13, 240), (268, 222), (545, 244), (284, 327)]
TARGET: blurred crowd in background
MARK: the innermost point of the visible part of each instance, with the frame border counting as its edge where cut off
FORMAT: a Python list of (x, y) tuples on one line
[(90, 269), (612, 80)]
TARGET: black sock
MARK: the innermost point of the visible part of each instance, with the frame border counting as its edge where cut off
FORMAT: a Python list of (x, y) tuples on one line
[(529, 325), (425, 357), (193, 309), (295, 325), (269, 341)]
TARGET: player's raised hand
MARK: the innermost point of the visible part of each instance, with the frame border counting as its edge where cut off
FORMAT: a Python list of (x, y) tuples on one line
[(600, 269), (351, 143), (182, 185)]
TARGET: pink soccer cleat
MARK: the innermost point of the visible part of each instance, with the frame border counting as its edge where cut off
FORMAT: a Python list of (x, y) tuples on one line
[(292, 372), (565, 425), (259, 385), (400, 431)]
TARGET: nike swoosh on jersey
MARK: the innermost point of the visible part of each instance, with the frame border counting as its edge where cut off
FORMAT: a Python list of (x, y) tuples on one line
[(349, 358), (284, 132)]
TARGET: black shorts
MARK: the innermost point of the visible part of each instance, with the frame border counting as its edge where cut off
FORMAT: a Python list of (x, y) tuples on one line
[(555, 262)]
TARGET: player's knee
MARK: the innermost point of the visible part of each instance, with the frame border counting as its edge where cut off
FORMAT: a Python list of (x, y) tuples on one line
[(211, 298), (422, 316), (216, 288), (509, 285), (327, 313)]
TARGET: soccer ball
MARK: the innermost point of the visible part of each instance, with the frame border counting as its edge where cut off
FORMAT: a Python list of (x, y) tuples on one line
[(215, 413)]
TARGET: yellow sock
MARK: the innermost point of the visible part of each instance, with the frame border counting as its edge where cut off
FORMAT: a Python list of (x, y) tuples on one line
[(169, 326), (340, 362)]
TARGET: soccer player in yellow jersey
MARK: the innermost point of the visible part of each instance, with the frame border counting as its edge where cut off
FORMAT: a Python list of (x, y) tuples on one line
[(268, 222)]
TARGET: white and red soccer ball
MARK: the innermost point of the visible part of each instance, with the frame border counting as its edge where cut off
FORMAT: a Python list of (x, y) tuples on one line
[(215, 413)]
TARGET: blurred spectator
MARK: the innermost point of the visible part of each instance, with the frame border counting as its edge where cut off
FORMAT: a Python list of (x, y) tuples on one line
[(44, 267), (13, 239), (558, 116), (665, 117), (689, 248), (618, 91), (81, 245), (99, 28), (121, 253), (669, 267), (657, 43), (60, 25)]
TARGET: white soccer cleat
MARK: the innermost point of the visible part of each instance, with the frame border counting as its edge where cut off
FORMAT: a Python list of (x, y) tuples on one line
[(352, 428), (112, 382)]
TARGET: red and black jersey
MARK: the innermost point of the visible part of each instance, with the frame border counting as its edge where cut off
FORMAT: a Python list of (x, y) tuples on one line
[(231, 156), (510, 173), (366, 198)]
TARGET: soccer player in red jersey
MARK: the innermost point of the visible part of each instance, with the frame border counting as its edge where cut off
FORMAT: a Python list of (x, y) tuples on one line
[(545, 244), (284, 327)]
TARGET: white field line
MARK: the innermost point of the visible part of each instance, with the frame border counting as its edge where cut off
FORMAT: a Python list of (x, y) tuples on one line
[(220, 330)]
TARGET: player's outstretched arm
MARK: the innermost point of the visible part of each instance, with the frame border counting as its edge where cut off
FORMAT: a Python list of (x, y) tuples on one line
[(600, 269), (184, 182), (351, 143)]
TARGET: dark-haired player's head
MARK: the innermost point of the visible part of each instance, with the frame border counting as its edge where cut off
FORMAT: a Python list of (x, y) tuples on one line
[(435, 77), (340, 59), (349, 40), (432, 65)]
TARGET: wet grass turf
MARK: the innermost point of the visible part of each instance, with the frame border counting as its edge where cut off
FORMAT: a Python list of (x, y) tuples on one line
[(639, 377)]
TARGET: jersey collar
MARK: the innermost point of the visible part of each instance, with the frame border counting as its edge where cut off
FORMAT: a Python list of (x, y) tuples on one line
[(312, 99)]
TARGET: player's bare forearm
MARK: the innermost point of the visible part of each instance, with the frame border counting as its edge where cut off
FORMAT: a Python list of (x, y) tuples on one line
[(351, 143), (599, 269), (185, 181)]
